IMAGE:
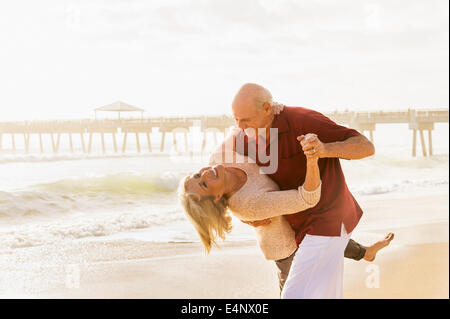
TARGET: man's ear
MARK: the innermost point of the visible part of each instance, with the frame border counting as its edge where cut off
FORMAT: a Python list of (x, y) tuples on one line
[(267, 108)]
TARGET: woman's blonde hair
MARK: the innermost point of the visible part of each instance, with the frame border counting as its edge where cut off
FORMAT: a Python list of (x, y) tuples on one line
[(211, 220)]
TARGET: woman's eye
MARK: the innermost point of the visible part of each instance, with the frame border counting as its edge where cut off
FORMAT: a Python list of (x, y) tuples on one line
[(197, 175), (204, 184)]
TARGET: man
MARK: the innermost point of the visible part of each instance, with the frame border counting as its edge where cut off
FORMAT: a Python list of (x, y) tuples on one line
[(253, 109)]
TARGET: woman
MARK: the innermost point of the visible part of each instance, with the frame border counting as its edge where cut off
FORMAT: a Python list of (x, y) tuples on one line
[(240, 187)]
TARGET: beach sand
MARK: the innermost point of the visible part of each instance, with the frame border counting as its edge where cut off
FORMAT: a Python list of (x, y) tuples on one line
[(415, 265)]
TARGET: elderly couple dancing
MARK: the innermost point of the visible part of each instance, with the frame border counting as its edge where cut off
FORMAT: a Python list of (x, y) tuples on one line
[(302, 210)]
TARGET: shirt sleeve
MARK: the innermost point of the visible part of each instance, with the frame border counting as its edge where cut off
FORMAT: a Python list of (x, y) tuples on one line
[(276, 203), (326, 129)]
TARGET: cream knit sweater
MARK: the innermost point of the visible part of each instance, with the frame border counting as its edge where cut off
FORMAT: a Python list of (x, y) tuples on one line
[(261, 198)]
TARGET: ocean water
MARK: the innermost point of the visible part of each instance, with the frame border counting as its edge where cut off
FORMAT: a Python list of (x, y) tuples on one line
[(66, 197)]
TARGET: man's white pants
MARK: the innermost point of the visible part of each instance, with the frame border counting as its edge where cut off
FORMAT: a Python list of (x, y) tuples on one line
[(317, 269)]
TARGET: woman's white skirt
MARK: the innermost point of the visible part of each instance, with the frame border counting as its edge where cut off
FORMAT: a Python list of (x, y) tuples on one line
[(317, 269)]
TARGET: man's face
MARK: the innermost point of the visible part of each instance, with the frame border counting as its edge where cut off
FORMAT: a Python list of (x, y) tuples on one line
[(247, 115)]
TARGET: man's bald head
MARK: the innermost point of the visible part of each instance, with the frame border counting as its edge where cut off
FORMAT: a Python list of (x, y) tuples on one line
[(251, 94)]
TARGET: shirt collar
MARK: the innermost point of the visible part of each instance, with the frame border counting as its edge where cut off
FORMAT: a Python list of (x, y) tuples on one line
[(281, 123)]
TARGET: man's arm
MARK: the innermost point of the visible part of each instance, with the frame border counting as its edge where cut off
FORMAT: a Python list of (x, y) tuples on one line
[(355, 147)]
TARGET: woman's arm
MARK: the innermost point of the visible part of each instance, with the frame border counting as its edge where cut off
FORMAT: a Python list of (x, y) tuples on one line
[(312, 178), (275, 203)]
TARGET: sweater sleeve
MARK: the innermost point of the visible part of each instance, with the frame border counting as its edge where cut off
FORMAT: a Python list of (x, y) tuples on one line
[(276, 203)]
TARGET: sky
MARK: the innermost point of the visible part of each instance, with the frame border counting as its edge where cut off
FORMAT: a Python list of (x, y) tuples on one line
[(60, 59)]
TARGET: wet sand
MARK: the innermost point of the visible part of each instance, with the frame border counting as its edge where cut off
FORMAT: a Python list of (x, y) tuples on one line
[(415, 265)]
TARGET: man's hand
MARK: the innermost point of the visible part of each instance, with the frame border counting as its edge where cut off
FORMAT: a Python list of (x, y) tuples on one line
[(312, 146), (257, 223), (355, 147)]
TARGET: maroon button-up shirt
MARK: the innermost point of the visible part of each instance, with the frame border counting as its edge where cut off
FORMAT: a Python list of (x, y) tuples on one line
[(336, 205)]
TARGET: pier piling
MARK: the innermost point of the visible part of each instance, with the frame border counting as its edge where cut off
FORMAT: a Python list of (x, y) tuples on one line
[(149, 143), (162, 141), (90, 142), (124, 145), (82, 142), (114, 141), (430, 143), (41, 145), (138, 145), (71, 143), (103, 142), (422, 142), (26, 141)]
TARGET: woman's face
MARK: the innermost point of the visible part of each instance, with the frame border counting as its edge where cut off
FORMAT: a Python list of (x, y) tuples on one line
[(208, 181)]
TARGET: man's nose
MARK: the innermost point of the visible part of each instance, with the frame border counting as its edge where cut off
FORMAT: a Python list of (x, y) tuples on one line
[(241, 125)]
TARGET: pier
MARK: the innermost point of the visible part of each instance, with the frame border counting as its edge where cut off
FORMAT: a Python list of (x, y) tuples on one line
[(419, 121)]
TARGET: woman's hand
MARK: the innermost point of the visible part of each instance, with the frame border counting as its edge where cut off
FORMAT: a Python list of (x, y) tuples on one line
[(306, 142), (312, 145)]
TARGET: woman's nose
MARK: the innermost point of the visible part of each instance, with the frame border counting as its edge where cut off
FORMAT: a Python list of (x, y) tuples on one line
[(203, 174)]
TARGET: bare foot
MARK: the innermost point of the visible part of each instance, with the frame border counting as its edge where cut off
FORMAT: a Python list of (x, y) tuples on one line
[(371, 251)]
